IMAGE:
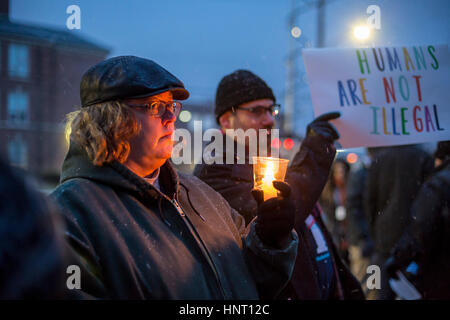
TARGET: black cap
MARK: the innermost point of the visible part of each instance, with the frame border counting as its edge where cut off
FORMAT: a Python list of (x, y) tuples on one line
[(128, 77), (240, 87)]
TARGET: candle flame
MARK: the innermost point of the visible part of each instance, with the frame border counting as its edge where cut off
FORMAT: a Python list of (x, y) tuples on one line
[(269, 174)]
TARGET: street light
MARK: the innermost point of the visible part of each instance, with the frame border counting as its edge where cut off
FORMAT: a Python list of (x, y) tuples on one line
[(361, 32), (296, 32), (185, 116)]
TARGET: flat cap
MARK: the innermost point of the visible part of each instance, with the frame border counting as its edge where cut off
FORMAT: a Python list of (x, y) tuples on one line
[(128, 77)]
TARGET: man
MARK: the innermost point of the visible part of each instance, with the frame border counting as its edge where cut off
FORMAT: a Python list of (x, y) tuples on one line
[(245, 101), (427, 236), (142, 231)]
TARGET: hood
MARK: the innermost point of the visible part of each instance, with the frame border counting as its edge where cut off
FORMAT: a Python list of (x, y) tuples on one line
[(78, 165)]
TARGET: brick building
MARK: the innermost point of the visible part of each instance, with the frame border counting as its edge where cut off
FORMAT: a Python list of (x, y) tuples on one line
[(40, 72)]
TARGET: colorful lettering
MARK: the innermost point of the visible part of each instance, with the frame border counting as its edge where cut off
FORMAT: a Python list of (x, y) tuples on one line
[(402, 112), (361, 61), (389, 89)]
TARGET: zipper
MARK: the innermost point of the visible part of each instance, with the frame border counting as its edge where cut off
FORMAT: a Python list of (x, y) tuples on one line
[(178, 207), (200, 242)]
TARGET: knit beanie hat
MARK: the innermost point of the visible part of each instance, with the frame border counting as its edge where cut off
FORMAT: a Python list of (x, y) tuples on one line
[(240, 87)]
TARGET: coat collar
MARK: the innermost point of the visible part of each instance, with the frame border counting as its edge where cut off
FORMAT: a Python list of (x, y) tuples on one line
[(77, 165)]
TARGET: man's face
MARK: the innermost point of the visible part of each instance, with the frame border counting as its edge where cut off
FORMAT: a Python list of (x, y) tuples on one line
[(154, 143), (250, 115), (244, 119)]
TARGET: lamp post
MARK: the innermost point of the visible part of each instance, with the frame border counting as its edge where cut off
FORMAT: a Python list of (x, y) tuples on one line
[(362, 34)]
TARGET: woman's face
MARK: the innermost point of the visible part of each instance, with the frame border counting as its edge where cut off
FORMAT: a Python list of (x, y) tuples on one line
[(153, 145)]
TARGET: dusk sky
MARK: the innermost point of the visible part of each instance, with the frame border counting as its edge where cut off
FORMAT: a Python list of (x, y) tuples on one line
[(200, 41)]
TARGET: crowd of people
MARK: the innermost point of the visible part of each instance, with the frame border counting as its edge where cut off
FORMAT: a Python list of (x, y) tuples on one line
[(138, 229), (394, 213)]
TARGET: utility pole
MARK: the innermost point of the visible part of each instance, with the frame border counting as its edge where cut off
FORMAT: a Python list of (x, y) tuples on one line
[(320, 23), (289, 98), (298, 8)]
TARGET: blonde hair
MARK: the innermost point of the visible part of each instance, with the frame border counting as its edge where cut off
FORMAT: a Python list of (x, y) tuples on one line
[(103, 130)]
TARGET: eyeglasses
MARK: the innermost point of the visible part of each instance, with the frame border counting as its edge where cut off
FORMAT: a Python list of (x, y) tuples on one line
[(158, 108), (258, 111)]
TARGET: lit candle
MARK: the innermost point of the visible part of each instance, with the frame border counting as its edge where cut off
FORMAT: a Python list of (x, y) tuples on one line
[(267, 185), (265, 171)]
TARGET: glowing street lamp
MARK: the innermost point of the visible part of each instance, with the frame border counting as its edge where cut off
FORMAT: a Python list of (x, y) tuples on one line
[(296, 32), (361, 32), (185, 116)]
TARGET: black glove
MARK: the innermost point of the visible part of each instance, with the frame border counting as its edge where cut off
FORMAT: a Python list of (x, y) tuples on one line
[(276, 216), (320, 128), (392, 266)]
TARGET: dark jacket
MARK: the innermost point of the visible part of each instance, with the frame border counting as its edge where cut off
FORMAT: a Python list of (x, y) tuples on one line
[(135, 242), (358, 228), (427, 238), (393, 180), (306, 175), (32, 260)]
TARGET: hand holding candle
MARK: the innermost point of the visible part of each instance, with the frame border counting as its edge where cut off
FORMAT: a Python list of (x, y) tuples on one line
[(275, 217)]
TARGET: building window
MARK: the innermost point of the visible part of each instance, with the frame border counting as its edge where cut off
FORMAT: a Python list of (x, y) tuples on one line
[(18, 61), (18, 152), (18, 107)]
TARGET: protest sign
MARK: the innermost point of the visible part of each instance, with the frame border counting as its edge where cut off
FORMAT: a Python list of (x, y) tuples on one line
[(386, 95)]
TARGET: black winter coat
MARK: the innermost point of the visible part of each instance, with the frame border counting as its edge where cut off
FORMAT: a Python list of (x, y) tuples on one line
[(307, 176), (427, 238), (134, 242), (393, 180), (358, 228)]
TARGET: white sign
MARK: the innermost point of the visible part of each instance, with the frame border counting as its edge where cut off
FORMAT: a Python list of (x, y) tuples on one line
[(386, 95)]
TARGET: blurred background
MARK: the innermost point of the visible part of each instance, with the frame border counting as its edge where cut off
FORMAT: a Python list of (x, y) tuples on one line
[(42, 59)]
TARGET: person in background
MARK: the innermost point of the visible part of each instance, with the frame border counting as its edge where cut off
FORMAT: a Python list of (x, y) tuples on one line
[(426, 240), (360, 248), (32, 253), (393, 181), (333, 201), (245, 101)]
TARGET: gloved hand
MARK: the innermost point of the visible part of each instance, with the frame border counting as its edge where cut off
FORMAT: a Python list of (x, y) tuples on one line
[(320, 128), (392, 266), (275, 217)]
